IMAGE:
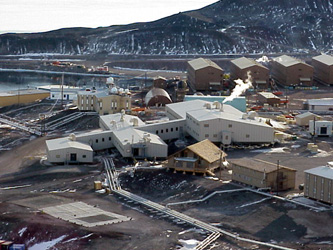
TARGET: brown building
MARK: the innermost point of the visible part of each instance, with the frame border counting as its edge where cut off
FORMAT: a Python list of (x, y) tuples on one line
[(319, 183), (241, 68), (22, 96), (290, 71), (270, 98), (160, 82), (204, 74), (202, 157), (323, 68), (263, 174)]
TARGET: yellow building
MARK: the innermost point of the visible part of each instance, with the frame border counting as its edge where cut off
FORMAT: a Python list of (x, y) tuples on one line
[(22, 96), (102, 102), (262, 174)]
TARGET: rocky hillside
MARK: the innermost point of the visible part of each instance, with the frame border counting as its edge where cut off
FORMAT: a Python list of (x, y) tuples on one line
[(225, 27)]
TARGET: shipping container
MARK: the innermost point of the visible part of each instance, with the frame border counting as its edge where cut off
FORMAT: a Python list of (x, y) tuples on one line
[(17, 247), (6, 245)]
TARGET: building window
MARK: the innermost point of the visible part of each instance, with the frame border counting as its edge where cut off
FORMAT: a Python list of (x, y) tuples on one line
[(206, 125), (127, 104), (206, 135), (103, 139), (52, 96), (96, 140), (215, 135), (247, 136), (226, 137), (167, 130), (115, 105), (84, 156), (230, 126), (176, 128), (171, 129), (157, 132), (161, 131), (110, 138)]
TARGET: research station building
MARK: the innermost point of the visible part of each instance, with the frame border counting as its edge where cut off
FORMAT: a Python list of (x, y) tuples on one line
[(204, 74), (289, 71), (319, 183), (262, 174), (323, 68), (241, 68)]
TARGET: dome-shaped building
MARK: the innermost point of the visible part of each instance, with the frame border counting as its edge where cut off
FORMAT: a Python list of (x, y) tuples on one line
[(157, 97)]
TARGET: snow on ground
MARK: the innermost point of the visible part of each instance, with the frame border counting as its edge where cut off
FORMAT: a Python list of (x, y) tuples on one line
[(47, 244), (188, 244), (295, 146), (321, 153), (270, 150), (21, 232), (148, 70)]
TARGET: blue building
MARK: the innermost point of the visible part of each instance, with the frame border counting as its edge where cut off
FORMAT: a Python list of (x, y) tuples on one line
[(238, 102)]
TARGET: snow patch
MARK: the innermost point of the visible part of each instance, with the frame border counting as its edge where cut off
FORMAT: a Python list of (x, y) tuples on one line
[(270, 150), (47, 244), (21, 232), (189, 244)]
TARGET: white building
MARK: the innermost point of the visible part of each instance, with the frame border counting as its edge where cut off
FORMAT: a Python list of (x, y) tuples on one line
[(58, 92), (221, 123), (320, 128), (199, 119), (323, 104)]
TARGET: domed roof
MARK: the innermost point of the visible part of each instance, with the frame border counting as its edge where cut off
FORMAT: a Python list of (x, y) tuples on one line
[(157, 95)]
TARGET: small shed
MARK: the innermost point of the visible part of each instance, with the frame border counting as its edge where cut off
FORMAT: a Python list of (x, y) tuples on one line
[(64, 150), (320, 128), (303, 119), (160, 82), (202, 157), (157, 97), (268, 97), (263, 174)]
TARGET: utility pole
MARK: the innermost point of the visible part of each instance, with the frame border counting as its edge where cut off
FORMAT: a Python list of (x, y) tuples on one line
[(62, 91), (277, 177), (221, 153)]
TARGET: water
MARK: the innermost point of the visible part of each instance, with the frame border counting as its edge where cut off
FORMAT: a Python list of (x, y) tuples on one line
[(15, 81)]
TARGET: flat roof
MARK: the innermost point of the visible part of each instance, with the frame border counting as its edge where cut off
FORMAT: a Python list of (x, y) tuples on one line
[(23, 92), (320, 102), (200, 63), (258, 165), (128, 122), (132, 136), (322, 171), (227, 114), (244, 63), (288, 61), (325, 59), (62, 143), (306, 114)]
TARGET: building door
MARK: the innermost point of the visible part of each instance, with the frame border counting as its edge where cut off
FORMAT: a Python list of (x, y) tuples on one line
[(73, 157), (135, 152), (323, 130)]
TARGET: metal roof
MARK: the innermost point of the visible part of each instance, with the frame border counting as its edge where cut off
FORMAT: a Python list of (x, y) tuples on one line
[(128, 122), (325, 59), (306, 114), (322, 171), (244, 63), (201, 63), (320, 102), (154, 92), (132, 136), (258, 165), (288, 61), (24, 92), (62, 143), (268, 95)]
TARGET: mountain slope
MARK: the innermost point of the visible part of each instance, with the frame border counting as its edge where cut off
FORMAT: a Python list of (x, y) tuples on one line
[(227, 26)]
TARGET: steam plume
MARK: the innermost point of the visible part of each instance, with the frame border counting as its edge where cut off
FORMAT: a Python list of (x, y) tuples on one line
[(239, 88)]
